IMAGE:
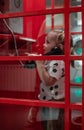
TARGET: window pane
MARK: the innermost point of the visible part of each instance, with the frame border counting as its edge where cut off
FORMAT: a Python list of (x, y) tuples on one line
[(76, 46), (59, 21), (75, 2), (75, 94), (54, 3), (48, 3), (59, 3), (48, 23), (76, 71), (76, 22)]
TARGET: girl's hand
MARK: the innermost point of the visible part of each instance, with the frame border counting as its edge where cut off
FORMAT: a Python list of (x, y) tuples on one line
[(33, 54), (38, 62)]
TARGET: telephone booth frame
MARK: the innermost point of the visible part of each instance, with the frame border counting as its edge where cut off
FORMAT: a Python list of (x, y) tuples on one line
[(66, 105)]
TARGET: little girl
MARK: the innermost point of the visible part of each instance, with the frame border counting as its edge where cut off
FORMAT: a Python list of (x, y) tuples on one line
[(52, 75)]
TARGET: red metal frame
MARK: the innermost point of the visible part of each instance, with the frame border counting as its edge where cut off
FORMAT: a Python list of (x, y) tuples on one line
[(67, 106)]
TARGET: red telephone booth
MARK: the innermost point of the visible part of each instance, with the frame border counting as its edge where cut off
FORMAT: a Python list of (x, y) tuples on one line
[(23, 27)]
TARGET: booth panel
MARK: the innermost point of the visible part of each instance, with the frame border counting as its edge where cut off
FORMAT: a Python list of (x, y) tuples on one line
[(18, 79), (17, 116)]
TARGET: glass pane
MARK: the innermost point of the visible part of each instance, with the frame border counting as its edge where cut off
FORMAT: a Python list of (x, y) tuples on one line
[(16, 24), (54, 3), (59, 3), (59, 21), (76, 22), (75, 2), (48, 3), (76, 120), (76, 46), (75, 94), (76, 72), (52, 118), (54, 22), (48, 23)]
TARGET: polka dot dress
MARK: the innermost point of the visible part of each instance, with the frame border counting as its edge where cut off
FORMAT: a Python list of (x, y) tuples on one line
[(56, 69)]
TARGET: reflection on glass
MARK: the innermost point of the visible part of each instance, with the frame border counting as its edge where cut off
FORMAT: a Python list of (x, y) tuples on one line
[(76, 71), (76, 120), (59, 21), (76, 22), (52, 117), (59, 3), (16, 24), (48, 22), (76, 45), (54, 22), (75, 94), (75, 2), (49, 117)]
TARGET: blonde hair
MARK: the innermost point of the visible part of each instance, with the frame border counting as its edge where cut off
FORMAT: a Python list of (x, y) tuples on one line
[(59, 38)]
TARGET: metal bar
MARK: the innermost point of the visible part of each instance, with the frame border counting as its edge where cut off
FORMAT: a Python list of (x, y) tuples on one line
[(23, 58), (67, 71), (32, 102), (40, 12)]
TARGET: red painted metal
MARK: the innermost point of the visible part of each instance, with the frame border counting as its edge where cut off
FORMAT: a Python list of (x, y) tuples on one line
[(24, 58), (67, 65), (76, 106), (3, 36), (40, 12), (31, 102)]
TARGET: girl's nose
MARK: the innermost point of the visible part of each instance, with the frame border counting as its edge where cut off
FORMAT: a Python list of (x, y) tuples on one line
[(44, 44)]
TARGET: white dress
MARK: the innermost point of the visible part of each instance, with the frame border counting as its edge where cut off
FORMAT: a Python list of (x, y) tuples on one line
[(56, 69)]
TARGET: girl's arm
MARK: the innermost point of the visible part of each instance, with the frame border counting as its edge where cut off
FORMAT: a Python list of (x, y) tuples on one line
[(44, 75)]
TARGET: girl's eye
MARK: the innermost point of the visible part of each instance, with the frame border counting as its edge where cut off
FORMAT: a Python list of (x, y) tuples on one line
[(47, 41)]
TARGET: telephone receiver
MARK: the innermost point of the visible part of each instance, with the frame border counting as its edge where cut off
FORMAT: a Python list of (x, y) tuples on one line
[(55, 51)]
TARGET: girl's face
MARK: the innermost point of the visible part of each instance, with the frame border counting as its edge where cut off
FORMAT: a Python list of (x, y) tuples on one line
[(50, 42)]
